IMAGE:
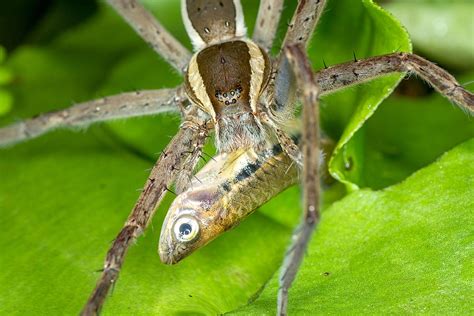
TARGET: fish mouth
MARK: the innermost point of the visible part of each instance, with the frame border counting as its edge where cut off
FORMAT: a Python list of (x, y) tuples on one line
[(167, 258), (171, 254)]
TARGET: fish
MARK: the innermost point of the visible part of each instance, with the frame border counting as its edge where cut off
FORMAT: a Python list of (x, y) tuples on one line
[(223, 193)]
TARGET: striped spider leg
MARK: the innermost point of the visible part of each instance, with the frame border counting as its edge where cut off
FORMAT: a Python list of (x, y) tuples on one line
[(184, 148), (310, 152), (145, 24), (266, 25), (294, 73), (344, 75), (125, 105)]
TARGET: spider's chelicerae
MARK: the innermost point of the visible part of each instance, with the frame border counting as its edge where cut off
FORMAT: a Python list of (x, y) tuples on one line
[(235, 88)]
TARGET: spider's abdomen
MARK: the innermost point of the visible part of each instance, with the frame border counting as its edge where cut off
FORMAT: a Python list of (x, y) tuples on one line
[(226, 80), (210, 22)]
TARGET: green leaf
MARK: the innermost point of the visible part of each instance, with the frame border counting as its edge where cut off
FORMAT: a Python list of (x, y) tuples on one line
[(403, 250), (408, 133), (64, 198), (367, 30)]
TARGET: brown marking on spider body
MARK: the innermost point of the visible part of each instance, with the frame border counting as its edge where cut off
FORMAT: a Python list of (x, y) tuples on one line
[(225, 69), (212, 18)]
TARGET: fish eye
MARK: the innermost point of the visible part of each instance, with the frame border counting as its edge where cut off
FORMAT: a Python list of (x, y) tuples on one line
[(186, 229)]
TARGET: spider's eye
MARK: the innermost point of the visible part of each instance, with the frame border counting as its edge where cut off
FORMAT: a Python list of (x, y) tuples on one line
[(186, 229)]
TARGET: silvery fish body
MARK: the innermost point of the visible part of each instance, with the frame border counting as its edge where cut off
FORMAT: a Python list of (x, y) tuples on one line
[(225, 191)]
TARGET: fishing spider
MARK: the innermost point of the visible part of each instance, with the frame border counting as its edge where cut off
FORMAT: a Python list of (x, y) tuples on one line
[(234, 87)]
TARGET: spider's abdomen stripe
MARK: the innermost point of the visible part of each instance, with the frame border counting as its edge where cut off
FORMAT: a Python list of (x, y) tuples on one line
[(196, 39), (212, 21)]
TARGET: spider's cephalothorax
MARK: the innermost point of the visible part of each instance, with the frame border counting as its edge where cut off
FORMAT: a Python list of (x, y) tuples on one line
[(227, 75)]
